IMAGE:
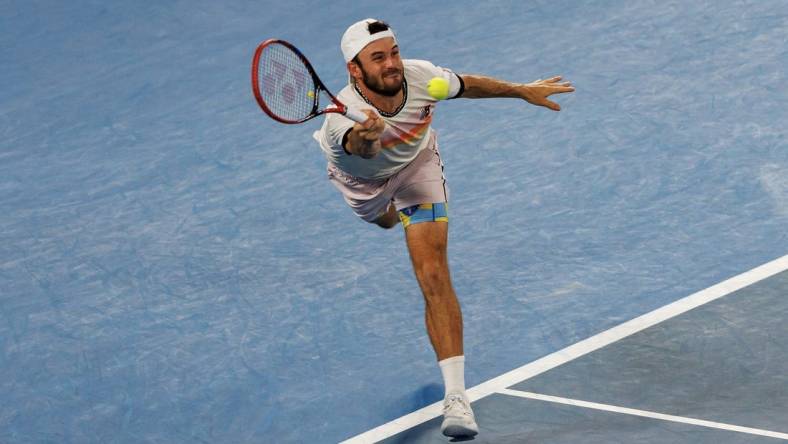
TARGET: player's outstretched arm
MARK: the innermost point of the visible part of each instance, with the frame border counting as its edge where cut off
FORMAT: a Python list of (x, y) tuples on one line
[(536, 92)]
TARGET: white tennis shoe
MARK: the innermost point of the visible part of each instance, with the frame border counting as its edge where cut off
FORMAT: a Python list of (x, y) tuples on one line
[(458, 420)]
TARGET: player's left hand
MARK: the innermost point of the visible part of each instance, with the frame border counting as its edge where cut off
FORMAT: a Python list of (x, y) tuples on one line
[(537, 92)]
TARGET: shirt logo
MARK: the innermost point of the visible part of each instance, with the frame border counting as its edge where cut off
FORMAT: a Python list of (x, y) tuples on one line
[(425, 112)]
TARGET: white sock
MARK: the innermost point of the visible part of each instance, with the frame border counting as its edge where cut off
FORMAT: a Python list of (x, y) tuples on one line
[(453, 370)]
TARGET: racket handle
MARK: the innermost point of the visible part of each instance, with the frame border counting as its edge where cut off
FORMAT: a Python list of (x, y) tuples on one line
[(356, 115)]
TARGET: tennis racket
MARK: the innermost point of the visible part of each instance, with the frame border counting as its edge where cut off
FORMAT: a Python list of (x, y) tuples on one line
[(288, 89)]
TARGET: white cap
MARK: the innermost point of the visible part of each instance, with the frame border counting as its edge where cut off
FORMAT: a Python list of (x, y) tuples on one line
[(357, 36)]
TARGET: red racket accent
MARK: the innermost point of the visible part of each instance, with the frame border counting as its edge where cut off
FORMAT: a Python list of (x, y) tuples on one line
[(286, 86)]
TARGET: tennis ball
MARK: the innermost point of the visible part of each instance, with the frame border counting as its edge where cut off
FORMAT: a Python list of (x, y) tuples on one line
[(438, 88)]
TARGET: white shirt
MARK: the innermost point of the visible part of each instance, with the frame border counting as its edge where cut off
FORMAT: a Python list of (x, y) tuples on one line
[(407, 131)]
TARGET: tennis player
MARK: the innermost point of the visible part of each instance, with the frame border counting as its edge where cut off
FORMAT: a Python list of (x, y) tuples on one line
[(389, 170)]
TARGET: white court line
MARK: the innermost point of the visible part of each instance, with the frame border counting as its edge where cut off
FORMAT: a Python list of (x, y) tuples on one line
[(579, 349), (644, 413)]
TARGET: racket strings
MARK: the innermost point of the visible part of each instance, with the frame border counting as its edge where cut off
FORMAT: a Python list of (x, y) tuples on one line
[(286, 85)]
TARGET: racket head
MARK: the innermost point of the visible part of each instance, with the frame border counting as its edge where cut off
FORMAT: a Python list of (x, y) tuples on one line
[(286, 86)]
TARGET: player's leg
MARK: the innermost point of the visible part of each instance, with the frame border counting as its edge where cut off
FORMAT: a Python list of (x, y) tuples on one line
[(427, 246), (426, 233), (389, 219)]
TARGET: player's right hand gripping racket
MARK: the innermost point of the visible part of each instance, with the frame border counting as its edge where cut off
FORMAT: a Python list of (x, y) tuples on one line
[(288, 89)]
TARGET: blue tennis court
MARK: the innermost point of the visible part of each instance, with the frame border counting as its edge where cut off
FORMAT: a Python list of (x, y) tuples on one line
[(176, 267), (707, 368)]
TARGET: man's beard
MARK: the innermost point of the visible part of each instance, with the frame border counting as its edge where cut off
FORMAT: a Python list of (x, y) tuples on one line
[(379, 86)]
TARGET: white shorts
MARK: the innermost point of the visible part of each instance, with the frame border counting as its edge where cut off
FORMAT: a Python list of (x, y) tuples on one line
[(420, 182)]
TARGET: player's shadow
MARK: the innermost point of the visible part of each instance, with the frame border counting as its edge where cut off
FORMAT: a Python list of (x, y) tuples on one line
[(425, 395)]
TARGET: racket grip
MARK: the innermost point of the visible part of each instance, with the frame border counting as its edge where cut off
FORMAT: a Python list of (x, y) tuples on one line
[(356, 115)]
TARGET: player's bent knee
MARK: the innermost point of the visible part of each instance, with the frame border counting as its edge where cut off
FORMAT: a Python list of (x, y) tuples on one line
[(431, 212), (387, 223), (388, 219)]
